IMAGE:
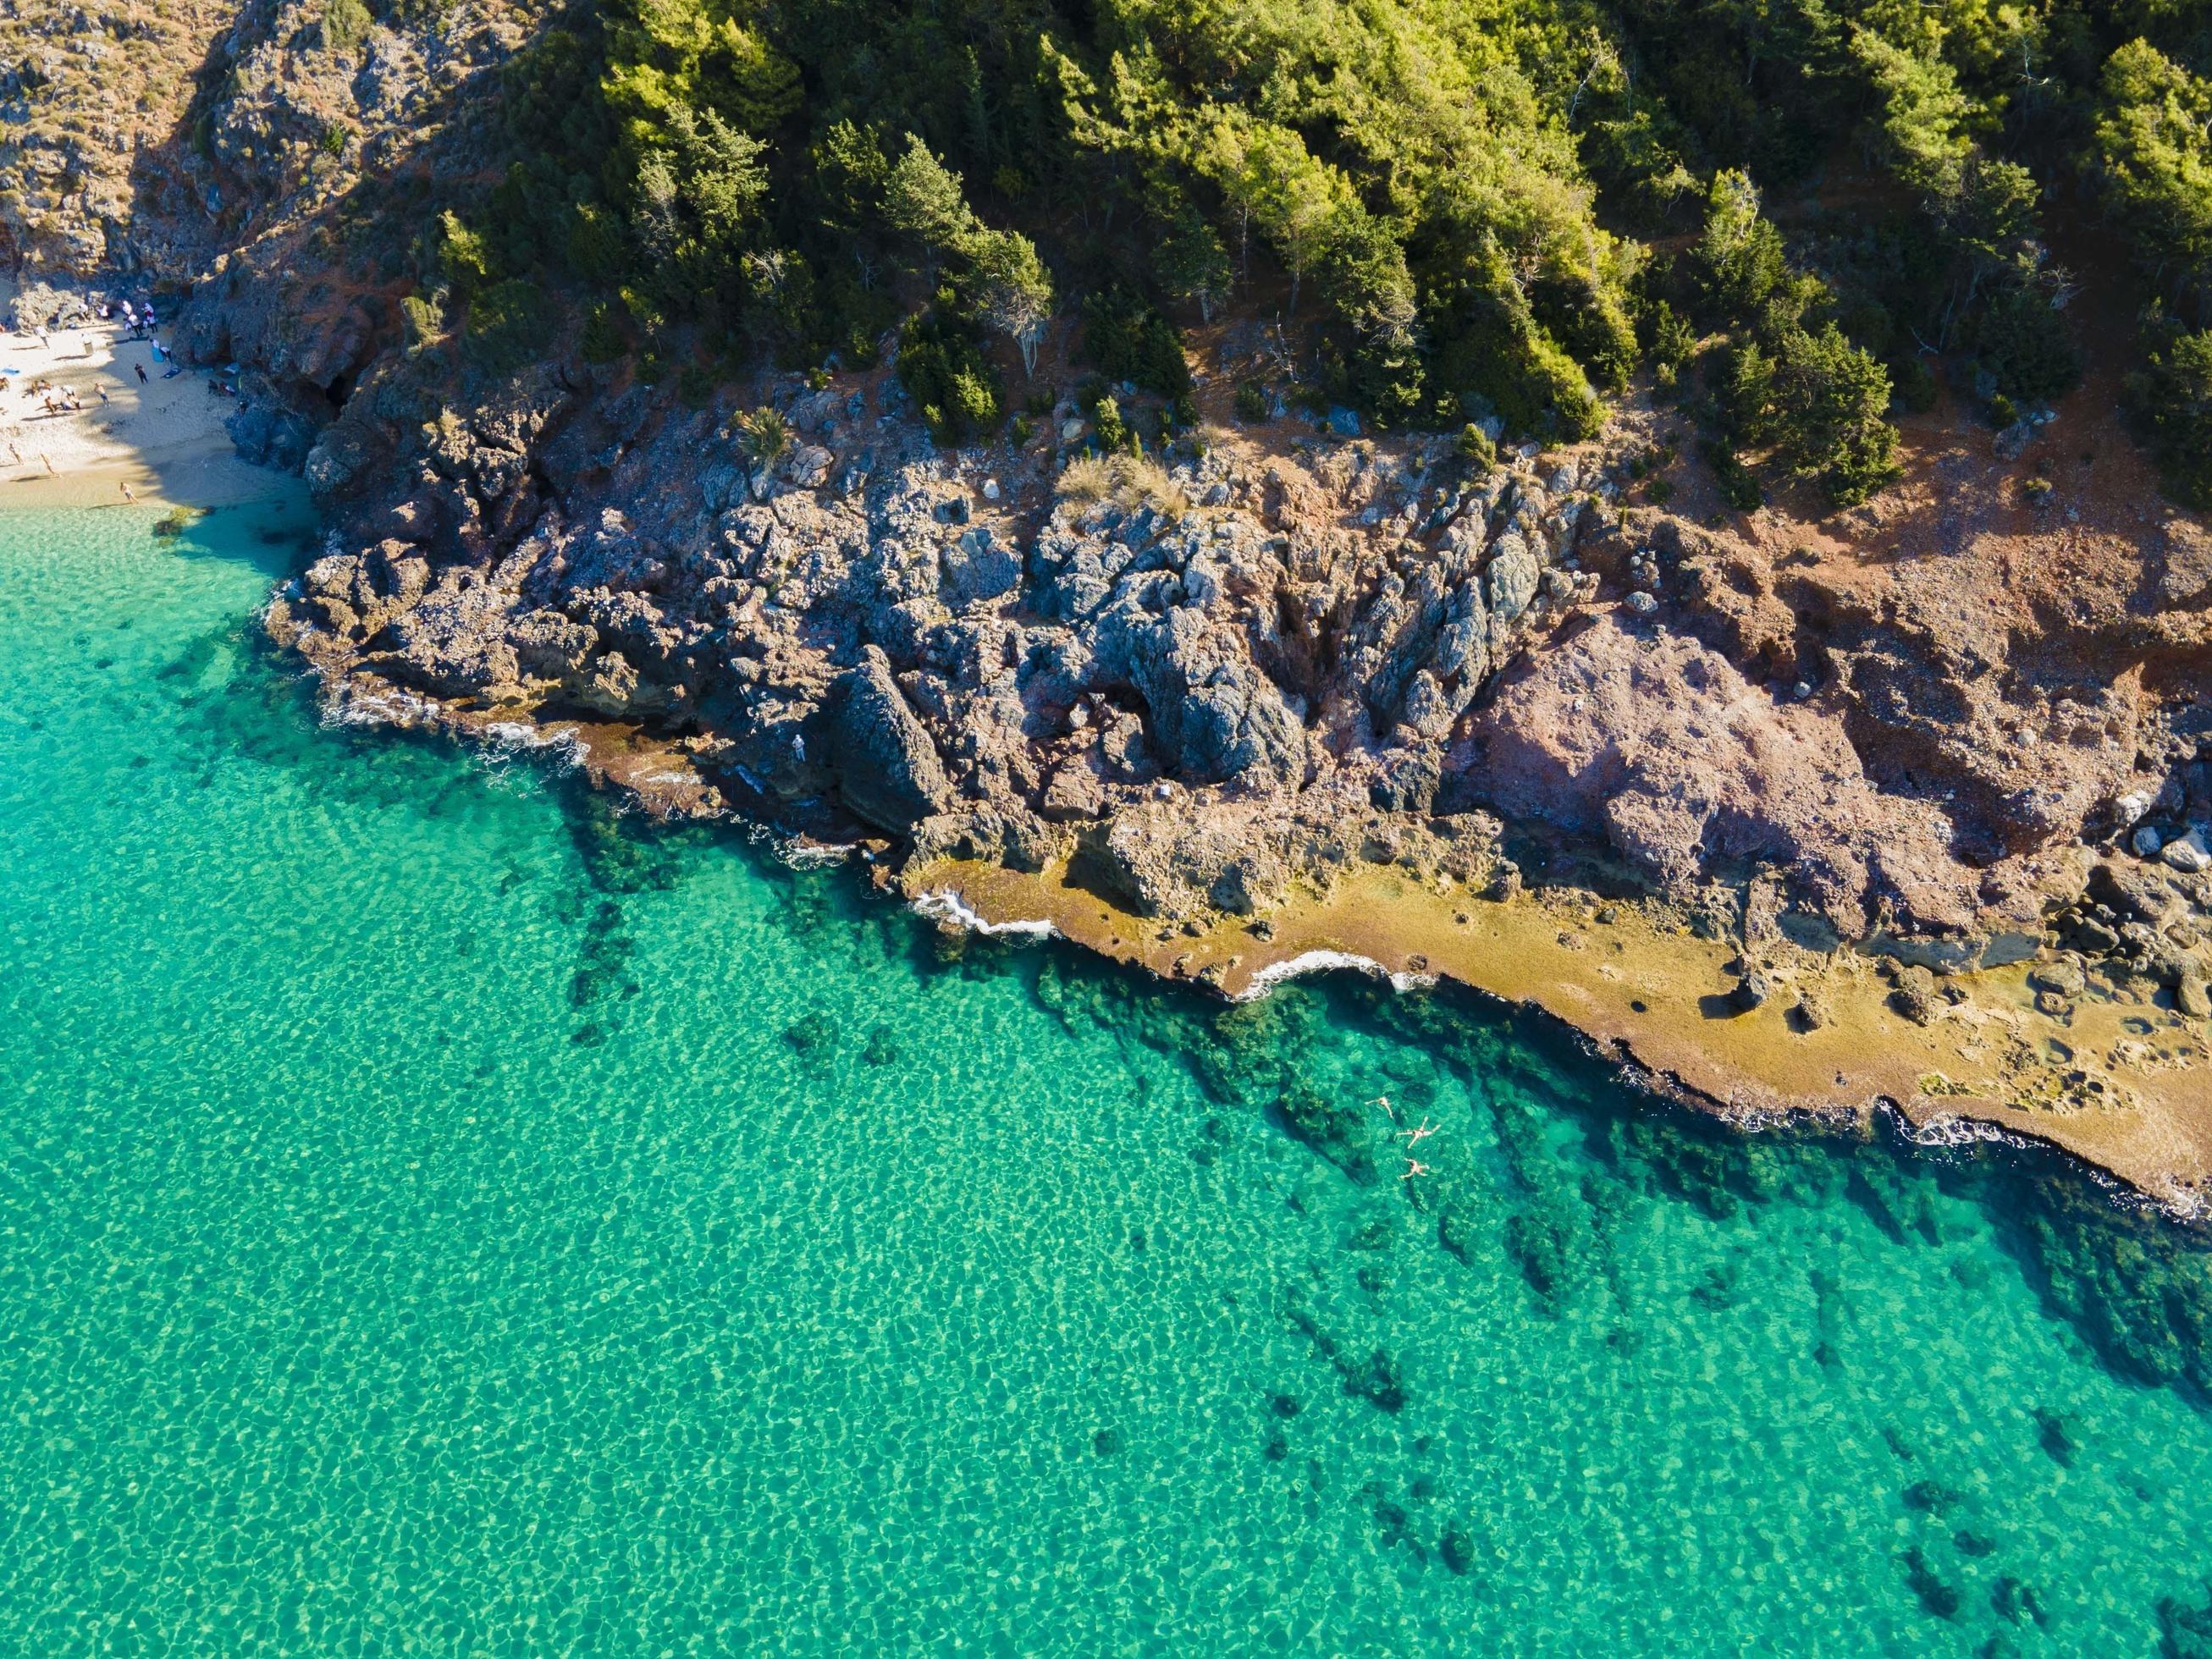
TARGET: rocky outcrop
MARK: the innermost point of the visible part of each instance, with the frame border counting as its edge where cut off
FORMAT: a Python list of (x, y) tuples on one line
[(1204, 704), (1010, 673), (1658, 744), (887, 766)]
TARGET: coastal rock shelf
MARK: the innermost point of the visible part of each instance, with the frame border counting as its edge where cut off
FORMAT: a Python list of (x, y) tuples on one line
[(2120, 1084)]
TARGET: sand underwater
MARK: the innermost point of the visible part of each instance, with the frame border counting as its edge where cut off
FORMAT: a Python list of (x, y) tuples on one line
[(439, 1216)]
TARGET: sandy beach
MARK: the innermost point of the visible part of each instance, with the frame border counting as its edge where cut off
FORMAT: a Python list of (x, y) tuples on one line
[(160, 439)]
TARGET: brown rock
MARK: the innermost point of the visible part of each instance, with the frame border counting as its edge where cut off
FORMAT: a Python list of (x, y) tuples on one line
[(1663, 747)]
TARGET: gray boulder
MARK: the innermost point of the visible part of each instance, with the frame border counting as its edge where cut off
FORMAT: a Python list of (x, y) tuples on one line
[(270, 437), (1216, 715), (1512, 577), (889, 772), (978, 566)]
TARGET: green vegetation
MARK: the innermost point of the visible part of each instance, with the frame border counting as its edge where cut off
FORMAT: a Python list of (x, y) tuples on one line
[(763, 436), (1446, 207), (1476, 447), (939, 365), (2170, 401), (346, 24)]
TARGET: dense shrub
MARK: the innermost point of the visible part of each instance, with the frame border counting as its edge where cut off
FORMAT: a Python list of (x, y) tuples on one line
[(1130, 341), (1818, 402), (2020, 337), (509, 324), (2170, 400), (956, 392)]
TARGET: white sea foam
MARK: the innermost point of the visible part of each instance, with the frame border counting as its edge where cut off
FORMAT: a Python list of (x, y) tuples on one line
[(1955, 1131), (526, 734), (379, 709), (946, 905), (503, 741), (798, 854), (1322, 961)]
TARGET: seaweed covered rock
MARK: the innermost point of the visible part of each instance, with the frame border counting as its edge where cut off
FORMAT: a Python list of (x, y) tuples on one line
[(2138, 1287), (1339, 1133)]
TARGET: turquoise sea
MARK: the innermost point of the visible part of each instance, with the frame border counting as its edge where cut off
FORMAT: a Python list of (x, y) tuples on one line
[(437, 1216)]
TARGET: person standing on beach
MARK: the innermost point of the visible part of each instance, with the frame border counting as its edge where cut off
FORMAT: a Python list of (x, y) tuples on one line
[(141, 367)]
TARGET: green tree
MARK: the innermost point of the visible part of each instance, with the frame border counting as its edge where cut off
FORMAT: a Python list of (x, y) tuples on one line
[(2170, 399), (922, 199), (1004, 280), (1191, 264), (1818, 402), (1922, 112), (698, 56), (697, 199), (464, 256), (1298, 204), (1013, 291), (1740, 258), (2155, 150)]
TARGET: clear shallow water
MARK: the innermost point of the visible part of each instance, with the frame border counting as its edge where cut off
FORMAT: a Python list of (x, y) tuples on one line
[(436, 1218)]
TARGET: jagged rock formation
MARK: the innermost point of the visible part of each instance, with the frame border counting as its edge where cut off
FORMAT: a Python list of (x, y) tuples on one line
[(1203, 690)]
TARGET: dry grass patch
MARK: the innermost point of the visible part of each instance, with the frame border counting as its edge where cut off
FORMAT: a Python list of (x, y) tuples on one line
[(1129, 482)]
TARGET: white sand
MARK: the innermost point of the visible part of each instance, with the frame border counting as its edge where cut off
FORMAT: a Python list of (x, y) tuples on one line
[(162, 441)]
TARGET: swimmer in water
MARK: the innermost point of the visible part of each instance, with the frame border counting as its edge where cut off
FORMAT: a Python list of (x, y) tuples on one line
[(1415, 1137), (1413, 1167), (1383, 1101)]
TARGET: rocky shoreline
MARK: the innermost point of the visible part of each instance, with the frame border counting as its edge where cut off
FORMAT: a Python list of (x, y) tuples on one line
[(1191, 716), (1929, 778)]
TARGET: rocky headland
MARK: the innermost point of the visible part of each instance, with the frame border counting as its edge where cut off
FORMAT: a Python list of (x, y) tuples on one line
[(1797, 810)]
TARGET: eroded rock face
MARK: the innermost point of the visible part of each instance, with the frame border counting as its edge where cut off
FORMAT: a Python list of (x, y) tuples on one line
[(888, 769), (1661, 745), (990, 673)]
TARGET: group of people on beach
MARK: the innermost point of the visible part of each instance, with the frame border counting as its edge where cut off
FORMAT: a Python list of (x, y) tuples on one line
[(140, 320), (60, 399)]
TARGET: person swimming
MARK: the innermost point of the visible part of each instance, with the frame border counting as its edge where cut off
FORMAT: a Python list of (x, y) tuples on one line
[(1415, 1167), (1415, 1137)]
